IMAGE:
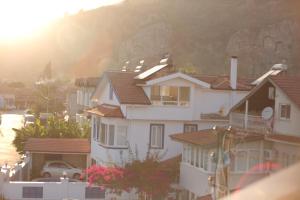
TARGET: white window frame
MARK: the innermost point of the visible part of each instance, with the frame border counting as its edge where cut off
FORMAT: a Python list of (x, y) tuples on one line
[(156, 135), (188, 126), (271, 93), (108, 136), (178, 102), (280, 110)]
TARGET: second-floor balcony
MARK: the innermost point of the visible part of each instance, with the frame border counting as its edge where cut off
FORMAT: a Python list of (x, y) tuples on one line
[(250, 121)]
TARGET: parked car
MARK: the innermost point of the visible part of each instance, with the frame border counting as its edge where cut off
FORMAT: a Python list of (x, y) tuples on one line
[(60, 168)]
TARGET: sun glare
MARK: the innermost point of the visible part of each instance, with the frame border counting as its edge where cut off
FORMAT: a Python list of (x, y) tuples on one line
[(22, 18)]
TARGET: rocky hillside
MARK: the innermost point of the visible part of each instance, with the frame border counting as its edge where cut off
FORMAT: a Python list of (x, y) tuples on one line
[(197, 33)]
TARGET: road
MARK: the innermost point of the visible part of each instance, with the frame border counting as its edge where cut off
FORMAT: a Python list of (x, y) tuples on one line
[(8, 152)]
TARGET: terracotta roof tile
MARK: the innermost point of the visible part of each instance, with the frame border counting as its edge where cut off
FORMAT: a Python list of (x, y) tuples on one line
[(106, 110), (58, 145), (284, 138), (207, 137), (289, 85), (203, 137), (223, 82), (125, 87)]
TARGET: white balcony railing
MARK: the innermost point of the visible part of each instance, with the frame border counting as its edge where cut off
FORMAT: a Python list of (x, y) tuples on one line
[(254, 122)]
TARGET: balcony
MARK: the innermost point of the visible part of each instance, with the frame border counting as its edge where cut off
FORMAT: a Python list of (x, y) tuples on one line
[(251, 122)]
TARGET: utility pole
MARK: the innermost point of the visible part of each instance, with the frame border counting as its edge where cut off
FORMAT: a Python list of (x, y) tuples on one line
[(224, 143)]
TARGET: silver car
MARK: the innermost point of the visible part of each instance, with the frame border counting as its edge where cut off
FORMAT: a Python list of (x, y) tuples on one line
[(60, 168)]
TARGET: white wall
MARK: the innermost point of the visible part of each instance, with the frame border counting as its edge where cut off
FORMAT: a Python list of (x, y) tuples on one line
[(56, 191), (101, 94), (83, 96), (195, 180), (212, 101), (291, 126)]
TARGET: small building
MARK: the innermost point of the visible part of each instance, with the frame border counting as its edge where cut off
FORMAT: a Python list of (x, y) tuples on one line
[(197, 166), (75, 151)]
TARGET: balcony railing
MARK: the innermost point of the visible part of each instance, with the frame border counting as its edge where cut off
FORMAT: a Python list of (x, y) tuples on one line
[(254, 122)]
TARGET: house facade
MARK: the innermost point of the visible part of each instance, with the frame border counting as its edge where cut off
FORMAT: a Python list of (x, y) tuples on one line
[(199, 165), (267, 139), (137, 112), (84, 91), (276, 115)]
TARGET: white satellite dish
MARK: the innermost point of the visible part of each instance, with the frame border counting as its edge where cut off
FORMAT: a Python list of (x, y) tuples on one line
[(267, 113)]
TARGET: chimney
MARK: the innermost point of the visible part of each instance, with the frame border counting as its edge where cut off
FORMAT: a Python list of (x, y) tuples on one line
[(233, 72)]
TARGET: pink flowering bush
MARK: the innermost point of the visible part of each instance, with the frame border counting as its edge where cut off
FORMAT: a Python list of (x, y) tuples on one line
[(149, 177)]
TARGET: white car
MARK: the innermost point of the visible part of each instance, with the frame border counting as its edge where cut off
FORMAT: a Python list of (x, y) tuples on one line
[(60, 168)]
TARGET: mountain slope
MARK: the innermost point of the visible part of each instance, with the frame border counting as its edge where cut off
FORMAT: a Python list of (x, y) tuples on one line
[(197, 33)]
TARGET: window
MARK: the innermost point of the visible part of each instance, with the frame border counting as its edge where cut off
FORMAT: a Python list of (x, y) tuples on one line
[(193, 156), (111, 93), (155, 93), (103, 133), (190, 128), (205, 159), (184, 95), (170, 95), (253, 158), (122, 136), (241, 161), (96, 128), (156, 136), (271, 93), (111, 135), (285, 111)]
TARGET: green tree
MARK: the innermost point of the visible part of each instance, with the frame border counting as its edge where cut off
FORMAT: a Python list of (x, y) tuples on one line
[(55, 128)]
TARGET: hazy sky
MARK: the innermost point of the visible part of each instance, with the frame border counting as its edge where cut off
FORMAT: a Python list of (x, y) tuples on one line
[(22, 18)]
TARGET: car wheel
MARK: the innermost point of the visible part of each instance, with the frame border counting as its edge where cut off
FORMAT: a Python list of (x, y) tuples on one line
[(46, 175), (76, 176)]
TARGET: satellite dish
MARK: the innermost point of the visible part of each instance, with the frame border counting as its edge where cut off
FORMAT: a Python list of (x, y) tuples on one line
[(267, 113)]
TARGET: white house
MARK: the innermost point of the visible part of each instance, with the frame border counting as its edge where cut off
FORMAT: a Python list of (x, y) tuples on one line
[(136, 112), (273, 109), (250, 156), (85, 89)]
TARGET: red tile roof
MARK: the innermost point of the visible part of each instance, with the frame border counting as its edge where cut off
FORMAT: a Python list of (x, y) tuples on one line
[(203, 137), (58, 145), (223, 82), (289, 85), (106, 110), (207, 137), (284, 138), (125, 88)]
